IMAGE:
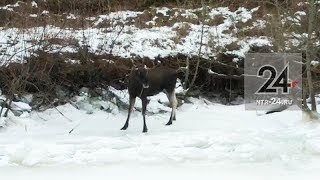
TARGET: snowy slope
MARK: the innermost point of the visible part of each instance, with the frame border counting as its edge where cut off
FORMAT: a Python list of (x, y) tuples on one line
[(123, 38)]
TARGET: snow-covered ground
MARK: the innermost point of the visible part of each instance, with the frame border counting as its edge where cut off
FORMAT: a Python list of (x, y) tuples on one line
[(207, 140)]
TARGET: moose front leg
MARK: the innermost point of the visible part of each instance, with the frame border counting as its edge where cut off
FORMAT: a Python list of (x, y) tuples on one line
[(144, 108), (131, 105)]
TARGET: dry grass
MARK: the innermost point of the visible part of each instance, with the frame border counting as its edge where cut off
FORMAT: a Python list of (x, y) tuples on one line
[(58, 10), (159, 20), (182, 31), (233, 46), (103, 6)]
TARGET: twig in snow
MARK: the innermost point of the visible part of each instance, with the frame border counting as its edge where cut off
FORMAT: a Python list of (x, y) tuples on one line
[(114, 41), (74, 128)]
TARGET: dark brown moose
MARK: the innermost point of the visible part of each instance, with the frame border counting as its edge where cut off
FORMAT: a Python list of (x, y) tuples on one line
[(144, 82)]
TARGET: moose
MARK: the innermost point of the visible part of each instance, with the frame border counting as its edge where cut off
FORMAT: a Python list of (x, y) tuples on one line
[(144, 82)]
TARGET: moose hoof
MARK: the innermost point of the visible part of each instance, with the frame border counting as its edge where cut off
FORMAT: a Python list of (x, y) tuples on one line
[(169, 123), (124, 128), (145, 130)]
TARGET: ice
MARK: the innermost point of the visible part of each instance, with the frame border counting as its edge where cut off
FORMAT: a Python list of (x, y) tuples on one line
[(205, 135), (202, 133)]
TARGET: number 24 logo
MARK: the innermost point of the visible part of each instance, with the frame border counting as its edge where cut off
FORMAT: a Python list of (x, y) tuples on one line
[(275, 82)]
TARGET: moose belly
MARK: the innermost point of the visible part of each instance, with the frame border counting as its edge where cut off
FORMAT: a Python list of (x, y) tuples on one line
[(152, 91)]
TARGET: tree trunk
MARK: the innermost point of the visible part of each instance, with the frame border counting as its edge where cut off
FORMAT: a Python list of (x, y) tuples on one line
[(204, 14), (309, 54)]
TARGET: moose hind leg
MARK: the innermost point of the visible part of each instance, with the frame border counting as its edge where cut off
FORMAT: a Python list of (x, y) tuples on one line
[(131, 105), (173, 102)]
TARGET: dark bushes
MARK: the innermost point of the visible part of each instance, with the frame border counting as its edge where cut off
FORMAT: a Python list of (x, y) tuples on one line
[(42, 74), (100, 6)]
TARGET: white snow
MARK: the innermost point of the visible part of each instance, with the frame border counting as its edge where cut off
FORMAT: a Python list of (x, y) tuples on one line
[(187, 171), (34, 4), (45, 12), (20, 106), (205, 134), (2, 121), (314, 63), (163, 11), (247, 43), (71, 16), (119, 16), (33, 15), (261, 24), (301, 13)]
